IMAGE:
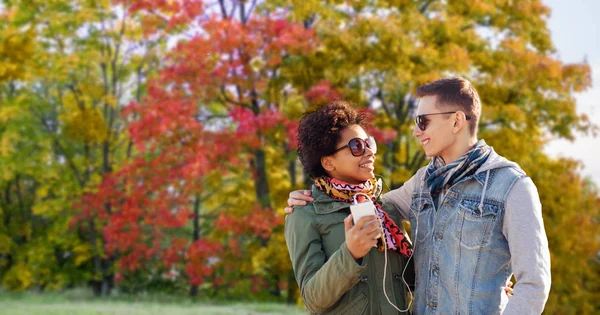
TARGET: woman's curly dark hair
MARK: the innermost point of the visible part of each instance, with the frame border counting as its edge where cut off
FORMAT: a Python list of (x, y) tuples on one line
[(319, 133)]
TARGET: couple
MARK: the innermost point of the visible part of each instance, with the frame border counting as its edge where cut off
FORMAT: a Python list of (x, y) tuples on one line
[(475, 218)]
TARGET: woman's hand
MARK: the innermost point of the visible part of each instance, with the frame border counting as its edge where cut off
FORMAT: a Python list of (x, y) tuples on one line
[(298, 198), (508, 289), (361, 237)]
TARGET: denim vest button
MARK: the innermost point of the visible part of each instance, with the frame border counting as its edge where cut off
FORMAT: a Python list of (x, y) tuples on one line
[(432, 304), (439, 236), (364, 279)]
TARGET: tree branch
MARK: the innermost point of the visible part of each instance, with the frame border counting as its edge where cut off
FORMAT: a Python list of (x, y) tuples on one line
[(229, 100), (425, 6)]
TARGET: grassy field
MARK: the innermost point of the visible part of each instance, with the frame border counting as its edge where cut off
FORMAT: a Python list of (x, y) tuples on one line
[(78, 303)]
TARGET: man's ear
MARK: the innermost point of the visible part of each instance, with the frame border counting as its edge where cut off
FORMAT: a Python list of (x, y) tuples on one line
[(327, 163), (460, 122)]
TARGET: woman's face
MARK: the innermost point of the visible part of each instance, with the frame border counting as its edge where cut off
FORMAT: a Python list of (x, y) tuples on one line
[(349, 168)]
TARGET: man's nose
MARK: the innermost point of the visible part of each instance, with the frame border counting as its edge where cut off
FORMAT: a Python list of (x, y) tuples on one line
[(416, 131)]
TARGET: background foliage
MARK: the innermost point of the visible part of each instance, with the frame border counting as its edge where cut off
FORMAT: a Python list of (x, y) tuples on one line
[(149, 145)]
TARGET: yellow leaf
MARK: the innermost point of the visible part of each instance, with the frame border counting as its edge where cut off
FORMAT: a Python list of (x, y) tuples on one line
[(5, 243), (6, 147), (82, 253), (18, 278)]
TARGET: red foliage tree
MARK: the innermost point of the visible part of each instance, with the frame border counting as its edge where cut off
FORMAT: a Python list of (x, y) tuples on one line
[(211, 107)]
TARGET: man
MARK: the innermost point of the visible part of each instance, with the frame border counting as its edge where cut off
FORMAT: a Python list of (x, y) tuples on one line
[(475, 216)]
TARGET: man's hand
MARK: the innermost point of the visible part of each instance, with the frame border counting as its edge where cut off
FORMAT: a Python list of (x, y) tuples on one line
[(298, 198), (361, 237)]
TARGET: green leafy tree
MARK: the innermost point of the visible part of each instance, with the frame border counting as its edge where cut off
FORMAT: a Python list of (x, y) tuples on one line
[(83, 61)]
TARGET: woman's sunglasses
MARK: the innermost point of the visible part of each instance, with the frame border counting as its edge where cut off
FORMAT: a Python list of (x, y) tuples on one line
[(358, 146), (422, 122)]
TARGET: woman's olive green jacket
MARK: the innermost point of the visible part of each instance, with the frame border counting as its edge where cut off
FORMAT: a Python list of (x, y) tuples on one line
[(330, 280)]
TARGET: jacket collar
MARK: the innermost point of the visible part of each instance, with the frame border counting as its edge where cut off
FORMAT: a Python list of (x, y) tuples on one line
[(324, 204)]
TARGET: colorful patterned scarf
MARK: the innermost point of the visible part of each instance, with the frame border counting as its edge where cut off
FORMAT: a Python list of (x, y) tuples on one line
[(342, 191), (441, 176)]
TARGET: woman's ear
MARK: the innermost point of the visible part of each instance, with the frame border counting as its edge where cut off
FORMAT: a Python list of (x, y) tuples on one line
[(327, 163)]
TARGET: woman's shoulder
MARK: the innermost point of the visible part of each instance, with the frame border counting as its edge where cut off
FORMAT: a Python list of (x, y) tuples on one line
[(306, 210), (304, 213)]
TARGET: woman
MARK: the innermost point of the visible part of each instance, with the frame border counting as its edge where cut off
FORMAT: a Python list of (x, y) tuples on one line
[(342, 267)]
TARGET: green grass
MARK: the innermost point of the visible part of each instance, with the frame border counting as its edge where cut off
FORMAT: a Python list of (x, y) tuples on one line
[(80, 302)]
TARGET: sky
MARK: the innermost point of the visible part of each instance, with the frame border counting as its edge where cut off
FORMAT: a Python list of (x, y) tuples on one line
[(577, 37)]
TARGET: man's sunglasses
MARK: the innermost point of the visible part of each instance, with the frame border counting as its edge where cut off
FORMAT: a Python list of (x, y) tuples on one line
[(358, 146), (422, 122)]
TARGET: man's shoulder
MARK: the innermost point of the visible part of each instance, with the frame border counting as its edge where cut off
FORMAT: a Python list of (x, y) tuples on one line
[(416, 179), (420, 172), (513, 171), (514, 181), (499, 163)]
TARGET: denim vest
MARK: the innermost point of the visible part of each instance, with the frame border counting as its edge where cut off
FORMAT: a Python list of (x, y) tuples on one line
[(462, 259)]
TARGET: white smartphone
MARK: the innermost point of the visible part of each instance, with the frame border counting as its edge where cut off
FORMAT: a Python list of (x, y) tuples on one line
[(362, 209)]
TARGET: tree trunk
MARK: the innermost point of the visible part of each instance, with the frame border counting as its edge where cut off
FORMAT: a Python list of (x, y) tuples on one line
[(291, 280), (261, 183), (195, 237)]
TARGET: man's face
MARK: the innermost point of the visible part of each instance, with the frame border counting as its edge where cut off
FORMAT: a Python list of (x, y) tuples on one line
[(437, 137)]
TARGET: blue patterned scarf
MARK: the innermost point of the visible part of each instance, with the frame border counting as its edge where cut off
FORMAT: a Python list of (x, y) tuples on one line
[(441, 176)]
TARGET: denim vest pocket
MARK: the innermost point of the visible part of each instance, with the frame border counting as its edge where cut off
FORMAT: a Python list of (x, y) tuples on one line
[(357, 306), (475, 228), (422, 209)]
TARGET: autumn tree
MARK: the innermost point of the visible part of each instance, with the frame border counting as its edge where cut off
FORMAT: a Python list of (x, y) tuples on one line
[(82, 61), (216, 105)]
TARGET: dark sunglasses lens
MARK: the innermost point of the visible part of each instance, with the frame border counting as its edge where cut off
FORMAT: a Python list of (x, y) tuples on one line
[(357, 147), (421, 122), (371, 144)]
